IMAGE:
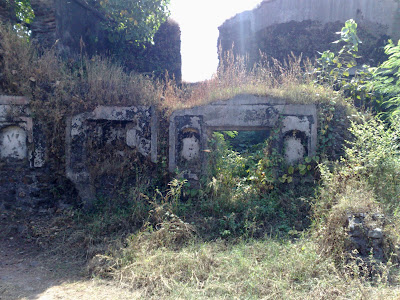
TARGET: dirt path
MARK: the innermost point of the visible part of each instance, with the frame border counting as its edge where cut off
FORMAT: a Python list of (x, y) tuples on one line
[(27, 272)]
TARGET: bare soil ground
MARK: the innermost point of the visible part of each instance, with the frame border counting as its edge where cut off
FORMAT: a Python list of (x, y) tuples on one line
[(30, 271)]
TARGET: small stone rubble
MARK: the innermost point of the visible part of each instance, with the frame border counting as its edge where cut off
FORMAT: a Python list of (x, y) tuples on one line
[(366, 236)]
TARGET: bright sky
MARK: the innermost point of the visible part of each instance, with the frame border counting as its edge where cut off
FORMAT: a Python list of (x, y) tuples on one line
[(199, 21)]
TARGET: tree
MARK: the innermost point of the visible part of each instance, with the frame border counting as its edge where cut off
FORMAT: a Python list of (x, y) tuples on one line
[(377, 88), (24, 11), (135, 21), (17, 12)]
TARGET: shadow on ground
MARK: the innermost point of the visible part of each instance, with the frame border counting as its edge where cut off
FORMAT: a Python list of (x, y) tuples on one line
[(30, 271)]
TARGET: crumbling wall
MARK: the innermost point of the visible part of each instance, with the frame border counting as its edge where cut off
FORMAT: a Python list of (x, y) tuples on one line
[(365, 235), (7, 11), (98, 141), (105, 145), (26, 179), (44, 26), (165, 54), (280, 27), (190, 129), (78, 29), (75, 28)]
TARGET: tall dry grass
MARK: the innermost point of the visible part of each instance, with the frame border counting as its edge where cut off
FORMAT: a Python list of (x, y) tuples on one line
[(292, 80), (267, 269), (80, 84), (77, 86)]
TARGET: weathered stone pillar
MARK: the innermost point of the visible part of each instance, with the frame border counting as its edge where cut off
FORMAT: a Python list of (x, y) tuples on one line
[(44, 24)]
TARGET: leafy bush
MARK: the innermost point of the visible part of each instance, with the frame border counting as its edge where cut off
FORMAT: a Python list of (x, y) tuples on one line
[(374, 155), (386, 81), (333, 69), (242, 196), (376, 88), (366, 180)]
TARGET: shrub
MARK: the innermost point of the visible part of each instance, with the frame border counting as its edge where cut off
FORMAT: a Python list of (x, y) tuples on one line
[(366, 180), (386, 82)]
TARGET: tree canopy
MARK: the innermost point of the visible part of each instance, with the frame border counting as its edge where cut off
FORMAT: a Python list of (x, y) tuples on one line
[(138, 20), (24, 11)]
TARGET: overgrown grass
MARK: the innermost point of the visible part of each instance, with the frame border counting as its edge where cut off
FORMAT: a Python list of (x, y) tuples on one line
[(73, 86), (166, 255), (365, 180), (292, 81), (241, 195), (264, 269), (59, 89), (170, 259)]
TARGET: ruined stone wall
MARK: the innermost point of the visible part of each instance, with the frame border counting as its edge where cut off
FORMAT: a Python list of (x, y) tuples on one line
[(78, 30), (7, 11), (279, 27), (108, 147), (190, 129), (27, 180), (74, 28), (165, 54), (103, 149), (103, 145), (44, 25)]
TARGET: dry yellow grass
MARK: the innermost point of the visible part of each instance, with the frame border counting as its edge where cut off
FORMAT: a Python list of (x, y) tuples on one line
[(268, 269), (292, 81)]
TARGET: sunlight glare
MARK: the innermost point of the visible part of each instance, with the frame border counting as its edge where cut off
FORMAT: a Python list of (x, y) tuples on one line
[(199, 21)]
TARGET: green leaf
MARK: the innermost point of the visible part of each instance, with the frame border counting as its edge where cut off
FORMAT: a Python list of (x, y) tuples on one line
[(291, 170)]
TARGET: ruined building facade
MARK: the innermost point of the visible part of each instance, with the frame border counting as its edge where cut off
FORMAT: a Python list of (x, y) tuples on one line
[(74, 28), (280, 27)]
